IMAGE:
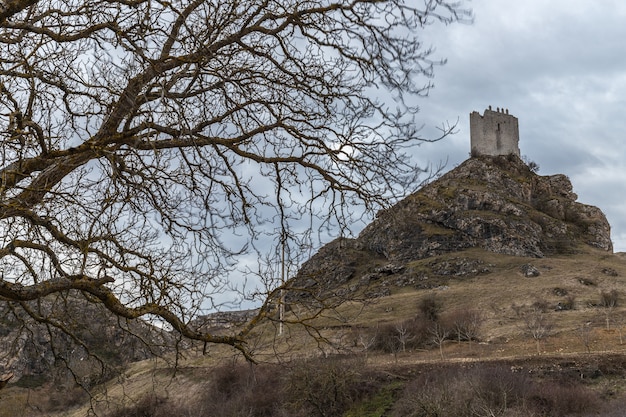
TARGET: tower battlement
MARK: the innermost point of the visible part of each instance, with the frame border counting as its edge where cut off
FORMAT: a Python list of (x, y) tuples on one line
[(494, 133)]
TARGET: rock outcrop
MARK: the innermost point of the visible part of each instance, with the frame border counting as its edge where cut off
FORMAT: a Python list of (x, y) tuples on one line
[(37, 353), (494, 203)]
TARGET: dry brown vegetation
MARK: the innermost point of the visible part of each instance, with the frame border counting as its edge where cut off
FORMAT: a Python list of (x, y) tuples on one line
[(352, 386), (386, 347)]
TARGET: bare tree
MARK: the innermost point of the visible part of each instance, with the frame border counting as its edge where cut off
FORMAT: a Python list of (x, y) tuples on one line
[(466, 323), (404, 334), (537, 324), (146, 145), (609, 300), (620, 322), (366, 340), (439, 335), (585, 333)]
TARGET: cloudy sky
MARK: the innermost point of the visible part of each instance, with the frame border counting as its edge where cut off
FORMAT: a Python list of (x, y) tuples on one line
[(560, 68)]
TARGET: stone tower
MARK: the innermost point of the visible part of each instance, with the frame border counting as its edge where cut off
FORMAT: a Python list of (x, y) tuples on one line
[(494, 133)]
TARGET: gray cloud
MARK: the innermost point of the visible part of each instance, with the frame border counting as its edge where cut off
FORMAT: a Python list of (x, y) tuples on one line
[(560, 67)]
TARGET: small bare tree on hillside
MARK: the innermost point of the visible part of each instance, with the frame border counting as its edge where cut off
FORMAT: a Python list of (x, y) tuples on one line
[(538, 325), (404, 334), (609, 301), (466, 324), (366, 340), (585, 332), (620, 323), (439, 334)]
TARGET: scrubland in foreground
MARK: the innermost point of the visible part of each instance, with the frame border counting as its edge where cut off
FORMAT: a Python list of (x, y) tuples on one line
[(545, 345)]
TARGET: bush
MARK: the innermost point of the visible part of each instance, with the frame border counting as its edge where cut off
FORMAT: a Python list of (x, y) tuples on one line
[(242, 389), (555, 399), (31, 381), (420, 329), (326, 387), (66, 398), (340, 386), (430, 307), (463, 392), (587, 282), (540, 305), (148, 406), (609, 299), (465, 324), (232, 390), (490, 390), (496, 389), (396, 337), (386, 339), (433, 394)]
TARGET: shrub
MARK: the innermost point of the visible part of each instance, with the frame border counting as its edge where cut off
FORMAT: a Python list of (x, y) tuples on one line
[(340, 386), (532, 165), (465, 324), (386, 339), (432, 394), (148, 406), (326, 387), (540, 305), (419, 327), (496, 389), (430, 307), (609, 299), (242, 389), (490, 390), (484, 390), (31, 381), (66, 398), (610, 272), (554, 399), (396, 337), (232, 390)]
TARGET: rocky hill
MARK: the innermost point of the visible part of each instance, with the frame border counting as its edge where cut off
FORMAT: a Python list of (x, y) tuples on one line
[(491, 240), (496, 203)]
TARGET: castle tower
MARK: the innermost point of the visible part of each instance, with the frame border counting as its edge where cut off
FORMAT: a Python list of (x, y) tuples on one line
[(494, 133)]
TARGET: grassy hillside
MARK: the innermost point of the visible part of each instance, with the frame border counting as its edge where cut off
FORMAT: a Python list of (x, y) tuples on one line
[(584, 340)]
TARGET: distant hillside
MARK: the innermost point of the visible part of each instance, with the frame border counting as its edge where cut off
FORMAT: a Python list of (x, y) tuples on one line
[(38, 353)]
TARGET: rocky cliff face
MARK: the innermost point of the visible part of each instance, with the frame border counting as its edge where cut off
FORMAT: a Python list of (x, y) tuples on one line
[(37, 353), (494, 203)]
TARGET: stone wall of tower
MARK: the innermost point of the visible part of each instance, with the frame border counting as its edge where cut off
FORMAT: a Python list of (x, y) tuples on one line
[(494, 133)]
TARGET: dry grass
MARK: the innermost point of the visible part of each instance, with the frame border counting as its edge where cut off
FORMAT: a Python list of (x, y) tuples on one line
[(495, 294)]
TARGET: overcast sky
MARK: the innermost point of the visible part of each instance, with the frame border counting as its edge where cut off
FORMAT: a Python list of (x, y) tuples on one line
[(560, 67)]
